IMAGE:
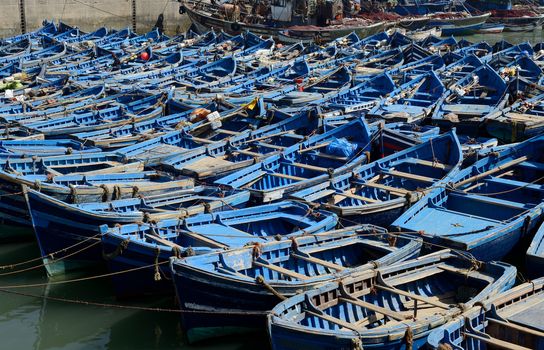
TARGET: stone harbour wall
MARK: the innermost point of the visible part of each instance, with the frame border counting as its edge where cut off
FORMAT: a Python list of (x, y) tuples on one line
[(91, 14)]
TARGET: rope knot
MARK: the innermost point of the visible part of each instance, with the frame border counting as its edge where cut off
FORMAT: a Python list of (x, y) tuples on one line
[(294, 243), (392, 240), (116, 192), (256, 252), (190, 251), (73, 194), (157, 275), (146, 217), (106, 192)]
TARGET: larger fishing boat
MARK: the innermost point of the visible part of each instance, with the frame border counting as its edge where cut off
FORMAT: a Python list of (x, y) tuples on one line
[(304, 20)]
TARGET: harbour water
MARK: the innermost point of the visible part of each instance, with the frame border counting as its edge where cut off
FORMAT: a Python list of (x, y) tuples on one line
[(33, 317)]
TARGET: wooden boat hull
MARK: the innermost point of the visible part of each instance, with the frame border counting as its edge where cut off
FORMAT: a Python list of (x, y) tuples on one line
[(460, 26), (244, 302), (197, 234), (490, 28), (374, 194), (266, 179), (519, 24), (204, 23), (326, 35), (510, 320), (62, 229), (328, 317), (14, 210), (487, 218)]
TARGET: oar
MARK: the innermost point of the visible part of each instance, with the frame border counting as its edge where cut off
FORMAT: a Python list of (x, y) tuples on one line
[(492, 171)]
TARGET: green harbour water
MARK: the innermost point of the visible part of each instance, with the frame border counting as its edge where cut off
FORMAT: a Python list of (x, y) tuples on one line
[(30, 321)]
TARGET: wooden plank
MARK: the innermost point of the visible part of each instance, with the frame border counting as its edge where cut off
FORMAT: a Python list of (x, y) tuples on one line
[(201, 140), (491, 171), (411, 176), (387, 312), (335, 320), (394, 190), (330, 156), (318, 261), (348, 194), (508, 173), (311, 148), (310, 167), (269, 145), (268, 136), (432, 164), (495, 342), (248, 153), (516, 327), (228, 132), (203, 238), (280, 269), (414, 296), (285, 176), (163, 241)]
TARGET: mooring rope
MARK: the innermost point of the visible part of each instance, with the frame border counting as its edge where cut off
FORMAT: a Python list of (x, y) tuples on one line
[(132, 307), (11, 266)]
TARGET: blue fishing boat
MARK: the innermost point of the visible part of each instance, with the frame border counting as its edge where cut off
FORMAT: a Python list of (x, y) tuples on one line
[(179, 115), (400, 136), (236, 285), (436, 44), (459, 23), (42, 148), (212, 129), (487, 208), (510, 320), (67, 97), (491, 28), (392, 307), (470, 99), (522, 73), (75, 36), (363, 96), (48, 28), (479, 49), (379, 192), (116, 115), (320, 157), (458, 66), (501, 45), (411, 102), (147, 247), (329, 83), (473, 146), (418, 133), (68, 234), (76, 178), (379, 63), (220, 158)]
